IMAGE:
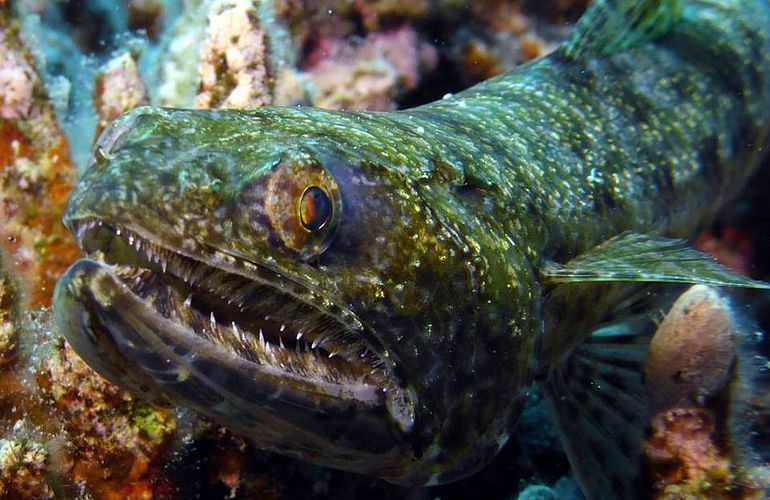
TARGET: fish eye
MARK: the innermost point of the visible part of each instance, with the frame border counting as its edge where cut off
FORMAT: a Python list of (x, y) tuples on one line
[(315, 208), (303, 203)]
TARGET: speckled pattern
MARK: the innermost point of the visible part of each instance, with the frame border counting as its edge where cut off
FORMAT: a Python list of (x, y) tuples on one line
[(448, 213)]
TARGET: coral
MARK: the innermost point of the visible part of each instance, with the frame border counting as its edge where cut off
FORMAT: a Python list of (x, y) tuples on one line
[(730, 246), (23, 469), (564, 488), (234, 70), (368, 75), (244, 58), (373, 11), (119, 87), (106, 425), (145, 15), (700, 363), (35, 177), (178, 77), (685, 458), (9, 327), (17, 82)]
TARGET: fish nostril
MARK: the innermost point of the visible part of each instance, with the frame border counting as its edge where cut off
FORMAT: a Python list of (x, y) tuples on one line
[(115, 131)]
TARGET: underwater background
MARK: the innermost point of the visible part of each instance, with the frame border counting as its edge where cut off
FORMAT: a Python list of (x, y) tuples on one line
[(69, 67)]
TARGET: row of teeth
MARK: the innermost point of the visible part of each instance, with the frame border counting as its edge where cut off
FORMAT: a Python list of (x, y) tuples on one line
[(303, 359), (167, 259), (314, 347), (153, 254), (252, 345), (157, 255)]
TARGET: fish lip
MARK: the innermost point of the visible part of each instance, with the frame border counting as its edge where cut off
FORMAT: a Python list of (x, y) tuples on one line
[(387, 394)]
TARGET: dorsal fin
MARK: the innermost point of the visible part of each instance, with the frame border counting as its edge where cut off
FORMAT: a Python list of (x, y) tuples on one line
[(611, 26)]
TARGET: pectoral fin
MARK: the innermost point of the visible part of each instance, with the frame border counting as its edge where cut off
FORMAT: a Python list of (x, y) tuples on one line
[(599, 403), (633, 257)]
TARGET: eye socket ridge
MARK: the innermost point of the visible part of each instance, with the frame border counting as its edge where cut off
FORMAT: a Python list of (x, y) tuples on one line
[(315, 208)]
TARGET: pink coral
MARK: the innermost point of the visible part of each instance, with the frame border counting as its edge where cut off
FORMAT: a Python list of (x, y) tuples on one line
[(17, 82), (371, 74)]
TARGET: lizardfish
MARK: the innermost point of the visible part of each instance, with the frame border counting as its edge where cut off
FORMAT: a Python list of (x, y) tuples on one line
[(377, 292)]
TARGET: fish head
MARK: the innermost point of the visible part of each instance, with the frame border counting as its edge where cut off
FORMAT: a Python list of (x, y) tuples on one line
[(287, 287)]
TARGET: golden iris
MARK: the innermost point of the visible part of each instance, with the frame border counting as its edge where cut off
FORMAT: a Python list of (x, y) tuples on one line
[(315, 208)]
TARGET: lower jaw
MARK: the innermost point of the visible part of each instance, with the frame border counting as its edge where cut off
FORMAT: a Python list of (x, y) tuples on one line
[(115, 333)]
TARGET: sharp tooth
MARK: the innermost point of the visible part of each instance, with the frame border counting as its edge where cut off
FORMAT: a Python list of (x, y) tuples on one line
[(280, 342), (188, 301), (314, 344), (163, 265), (283, 327), (332, 354), (213, 320), (238, 332), (299, 335), (117, 231), (261, 337), (130, 239)]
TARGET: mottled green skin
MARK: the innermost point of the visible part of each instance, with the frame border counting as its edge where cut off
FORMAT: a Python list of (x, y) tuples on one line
[(438, 252)]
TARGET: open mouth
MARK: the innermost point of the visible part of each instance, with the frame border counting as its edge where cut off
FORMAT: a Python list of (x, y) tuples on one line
[(253, 314)]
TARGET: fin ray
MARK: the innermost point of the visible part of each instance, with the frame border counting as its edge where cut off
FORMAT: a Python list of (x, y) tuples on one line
[(634, 257), (599, 401), (611, 26)]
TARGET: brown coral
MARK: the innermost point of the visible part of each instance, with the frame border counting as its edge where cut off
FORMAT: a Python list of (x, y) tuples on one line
[(145, 15)]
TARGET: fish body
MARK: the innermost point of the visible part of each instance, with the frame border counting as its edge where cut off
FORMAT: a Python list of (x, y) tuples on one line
[(377, 291)]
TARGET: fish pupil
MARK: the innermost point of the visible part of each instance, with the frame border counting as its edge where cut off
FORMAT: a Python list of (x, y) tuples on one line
[(315, 208)]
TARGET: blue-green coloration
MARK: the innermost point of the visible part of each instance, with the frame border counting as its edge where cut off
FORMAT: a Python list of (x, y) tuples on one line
[(377, 291)]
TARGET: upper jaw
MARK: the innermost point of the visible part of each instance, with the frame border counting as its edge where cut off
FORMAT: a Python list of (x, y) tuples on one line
[(219, 319)]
